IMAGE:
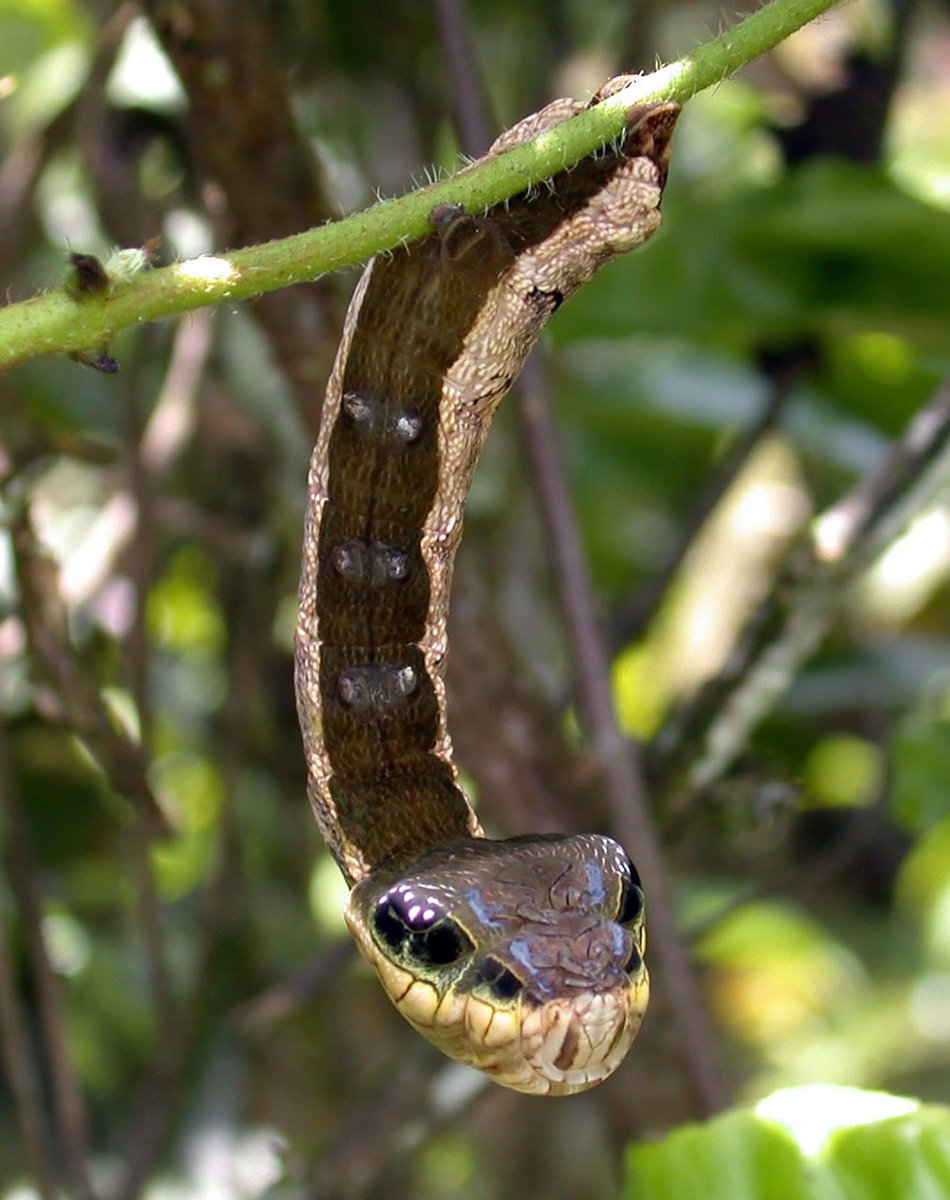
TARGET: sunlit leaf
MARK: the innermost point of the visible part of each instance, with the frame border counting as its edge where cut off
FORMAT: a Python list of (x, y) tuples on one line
[(803, 1144)]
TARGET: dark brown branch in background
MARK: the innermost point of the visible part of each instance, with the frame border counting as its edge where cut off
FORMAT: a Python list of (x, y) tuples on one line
[(640, 50), (508, 737), (149, 450), (69, 1114), (244, 140), (15, 1043), (465, 84), (617, 756), (257, 1016), (161, 1094), (849, 120), (112, 142)]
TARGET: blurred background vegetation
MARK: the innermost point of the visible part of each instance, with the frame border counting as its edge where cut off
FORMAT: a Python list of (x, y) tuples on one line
[(181, 1013)]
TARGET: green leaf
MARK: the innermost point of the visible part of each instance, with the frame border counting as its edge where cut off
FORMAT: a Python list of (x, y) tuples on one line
[(738, 1155), (809, 1143), (892, 1160)]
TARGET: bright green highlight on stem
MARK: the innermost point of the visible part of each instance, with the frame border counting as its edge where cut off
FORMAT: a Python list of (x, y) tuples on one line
[(63, 323)]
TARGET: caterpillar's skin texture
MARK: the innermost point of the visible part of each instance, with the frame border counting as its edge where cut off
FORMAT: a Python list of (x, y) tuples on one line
[(434, 337)]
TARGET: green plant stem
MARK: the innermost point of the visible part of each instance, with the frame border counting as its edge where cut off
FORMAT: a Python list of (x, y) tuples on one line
[(63, 322)]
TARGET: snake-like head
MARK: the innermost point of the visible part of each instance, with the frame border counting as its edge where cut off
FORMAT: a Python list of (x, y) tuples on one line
[(521, 957)]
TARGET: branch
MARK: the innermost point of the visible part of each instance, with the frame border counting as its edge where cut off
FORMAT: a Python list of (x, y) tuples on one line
[(67, 1107), (618, 757), (70, 322), (713, 728), (15, 1049)]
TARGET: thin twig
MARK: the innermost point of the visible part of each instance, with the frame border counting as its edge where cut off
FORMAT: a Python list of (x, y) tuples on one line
[(151, 1110), (135, 650), (160, 1094), (617, 756), (641, 35), (856, 529), (150, 451), (140, 552), (466, 86), (256, 1017), (173, 419), (14, 1040), (68, 1108), (152, 931), (59, 322), (786, 628)]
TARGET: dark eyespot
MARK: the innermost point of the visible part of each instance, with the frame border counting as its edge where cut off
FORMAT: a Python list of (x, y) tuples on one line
[(503, 984), (389, 926), (420, 929), (446, 942), (631, 897)]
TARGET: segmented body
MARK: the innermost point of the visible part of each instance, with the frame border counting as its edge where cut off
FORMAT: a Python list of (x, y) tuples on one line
[(434, 337)]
